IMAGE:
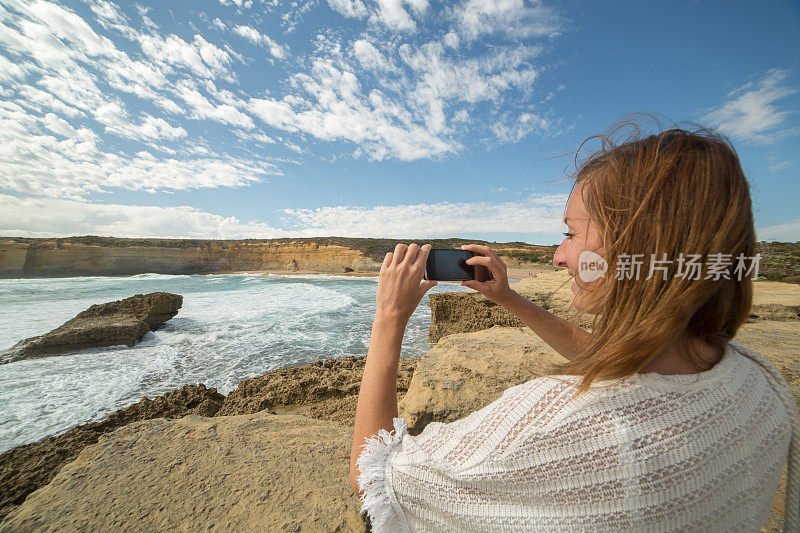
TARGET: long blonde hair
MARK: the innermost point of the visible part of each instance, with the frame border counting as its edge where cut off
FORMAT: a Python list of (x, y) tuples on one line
[(673, 192)]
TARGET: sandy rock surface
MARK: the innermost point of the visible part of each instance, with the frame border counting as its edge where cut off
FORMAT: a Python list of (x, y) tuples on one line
[(28, 467), (258, 472), (109, 324), (467, 371)]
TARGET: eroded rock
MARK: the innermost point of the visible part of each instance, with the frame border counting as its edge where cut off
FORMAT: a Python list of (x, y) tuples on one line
[(26, 468), (326, 389), (109, 324), (256, 472)]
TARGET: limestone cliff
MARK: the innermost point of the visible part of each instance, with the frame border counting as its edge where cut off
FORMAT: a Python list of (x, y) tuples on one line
[(63, 258)]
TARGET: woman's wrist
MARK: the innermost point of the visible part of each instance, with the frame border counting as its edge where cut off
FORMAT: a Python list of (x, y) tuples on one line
[(509, 299), (389, 319)]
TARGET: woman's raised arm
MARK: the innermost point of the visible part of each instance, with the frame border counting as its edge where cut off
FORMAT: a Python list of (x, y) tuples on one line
[(559, 333), (400, 289)]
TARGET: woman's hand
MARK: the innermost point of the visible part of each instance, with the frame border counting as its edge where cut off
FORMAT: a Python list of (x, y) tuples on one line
[(399, 287), (495, 289)]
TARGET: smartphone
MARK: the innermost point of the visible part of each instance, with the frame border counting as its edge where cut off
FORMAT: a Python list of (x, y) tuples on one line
[(450, 264)]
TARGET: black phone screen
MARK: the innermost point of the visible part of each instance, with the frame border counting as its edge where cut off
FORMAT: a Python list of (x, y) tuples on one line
[(446, 264)]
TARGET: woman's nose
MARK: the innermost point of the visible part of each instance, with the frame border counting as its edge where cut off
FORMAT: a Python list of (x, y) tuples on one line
[(560, 257)]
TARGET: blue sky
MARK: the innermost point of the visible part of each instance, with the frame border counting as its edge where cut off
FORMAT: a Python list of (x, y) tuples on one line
[(369, 118)]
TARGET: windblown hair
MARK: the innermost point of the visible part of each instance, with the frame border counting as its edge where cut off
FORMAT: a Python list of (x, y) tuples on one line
[(674, 192)]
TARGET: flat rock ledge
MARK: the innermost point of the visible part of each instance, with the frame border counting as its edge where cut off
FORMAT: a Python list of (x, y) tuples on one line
[(28, 467), (257, 472), (109, 324)]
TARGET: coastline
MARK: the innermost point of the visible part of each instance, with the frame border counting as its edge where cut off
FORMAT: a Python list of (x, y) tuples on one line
[(515, 271)]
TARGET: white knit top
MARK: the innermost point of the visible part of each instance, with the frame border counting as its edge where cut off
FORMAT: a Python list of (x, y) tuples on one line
[(651, 452)]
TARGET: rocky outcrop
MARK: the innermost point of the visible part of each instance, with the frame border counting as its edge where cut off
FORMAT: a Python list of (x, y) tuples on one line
[(467, 371), (464, 312), (109, 324), (26, 468), (257, 472), (60, 258), (325, 389)]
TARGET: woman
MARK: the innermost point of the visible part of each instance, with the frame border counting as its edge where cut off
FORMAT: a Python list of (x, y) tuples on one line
[(657, 421)]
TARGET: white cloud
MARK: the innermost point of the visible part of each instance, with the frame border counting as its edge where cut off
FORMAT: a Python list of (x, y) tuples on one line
[(200, 57), (751, 113), (777, 167), (380, 127), (51, 217), (519, 127), (393, 14), (33, 161), (108, 15), (273, 112), (202, 108), (247, 4), (59, 48), (396, 15), (349, 8), (291, 18), (39, 100), (368, 56), (255, 136), (786, 232), (442, 80), (252, 35), (58, 125), (10, 71), (414, 110), (536, 214), (510, 17), (57, 217), (115, 119), (387, 99)]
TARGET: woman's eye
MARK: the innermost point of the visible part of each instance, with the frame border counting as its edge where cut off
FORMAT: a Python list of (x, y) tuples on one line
[(569, 235)]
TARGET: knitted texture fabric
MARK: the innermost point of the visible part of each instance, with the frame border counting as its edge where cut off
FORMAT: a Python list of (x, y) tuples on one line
[(650, 452)]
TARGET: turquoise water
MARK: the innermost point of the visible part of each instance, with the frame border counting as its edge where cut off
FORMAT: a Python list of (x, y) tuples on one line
[(231, 327)]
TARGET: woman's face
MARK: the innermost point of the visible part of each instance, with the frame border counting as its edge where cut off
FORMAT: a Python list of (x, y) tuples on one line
[(581, 236)]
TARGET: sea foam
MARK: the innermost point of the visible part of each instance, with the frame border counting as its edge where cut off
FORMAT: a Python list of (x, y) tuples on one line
[(231, 327)]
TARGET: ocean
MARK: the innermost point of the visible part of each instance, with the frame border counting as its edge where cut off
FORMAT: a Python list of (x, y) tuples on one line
[(231, 327)]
